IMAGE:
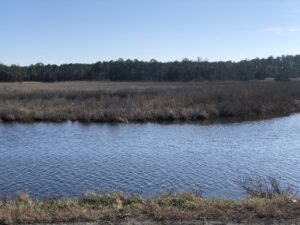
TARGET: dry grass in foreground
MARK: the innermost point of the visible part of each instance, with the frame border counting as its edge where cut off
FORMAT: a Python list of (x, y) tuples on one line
[(146, 101), (170, 207), (269, 201)]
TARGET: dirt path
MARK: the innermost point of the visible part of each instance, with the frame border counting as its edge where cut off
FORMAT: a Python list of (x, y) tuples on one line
[(168, 222)]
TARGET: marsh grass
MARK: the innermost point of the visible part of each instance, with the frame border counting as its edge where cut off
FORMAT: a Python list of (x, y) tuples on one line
[(116, 206), (146, 101), (271, 203)]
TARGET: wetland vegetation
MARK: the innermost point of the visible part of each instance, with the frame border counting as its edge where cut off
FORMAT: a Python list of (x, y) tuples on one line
[(87, 101), (273, 204)]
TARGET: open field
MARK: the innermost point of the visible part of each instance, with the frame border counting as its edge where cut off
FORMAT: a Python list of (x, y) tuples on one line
[(146, 101), (116, 208)]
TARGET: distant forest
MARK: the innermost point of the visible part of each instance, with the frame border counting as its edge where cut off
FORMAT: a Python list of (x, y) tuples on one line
[(279, 68)]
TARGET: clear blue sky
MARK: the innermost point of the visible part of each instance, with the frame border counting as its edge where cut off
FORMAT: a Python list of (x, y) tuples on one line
[(64, 31)]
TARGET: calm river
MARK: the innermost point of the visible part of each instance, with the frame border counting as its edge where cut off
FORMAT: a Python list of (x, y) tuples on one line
[(69, 159)]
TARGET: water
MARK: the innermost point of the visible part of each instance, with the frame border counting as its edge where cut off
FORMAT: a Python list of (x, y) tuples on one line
[(70, 159)]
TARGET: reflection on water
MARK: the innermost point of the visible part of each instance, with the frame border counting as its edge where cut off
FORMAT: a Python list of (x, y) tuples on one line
[(70, 159)]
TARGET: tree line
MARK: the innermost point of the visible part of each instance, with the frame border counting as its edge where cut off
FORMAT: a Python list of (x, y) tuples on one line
[(279, 68)]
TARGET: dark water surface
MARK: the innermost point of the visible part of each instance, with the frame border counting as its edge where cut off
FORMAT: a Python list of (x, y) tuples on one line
[(70, 159)]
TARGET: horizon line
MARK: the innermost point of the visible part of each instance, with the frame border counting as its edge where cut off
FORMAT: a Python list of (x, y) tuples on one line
[(199, 59)]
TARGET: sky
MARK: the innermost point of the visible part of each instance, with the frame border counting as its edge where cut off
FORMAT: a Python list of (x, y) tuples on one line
[(86, 31)]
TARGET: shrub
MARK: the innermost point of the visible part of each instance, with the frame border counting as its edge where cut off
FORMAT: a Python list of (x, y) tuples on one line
[(259, 187)]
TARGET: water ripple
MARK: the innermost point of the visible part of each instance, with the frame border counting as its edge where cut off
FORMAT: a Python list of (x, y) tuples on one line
[(69, 159)]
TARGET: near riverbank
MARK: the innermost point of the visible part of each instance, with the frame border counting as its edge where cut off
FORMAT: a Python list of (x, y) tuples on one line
[(146, 101), (115, 208)]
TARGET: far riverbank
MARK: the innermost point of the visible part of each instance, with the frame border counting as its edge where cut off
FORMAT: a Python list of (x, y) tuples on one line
[(147, 101)]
